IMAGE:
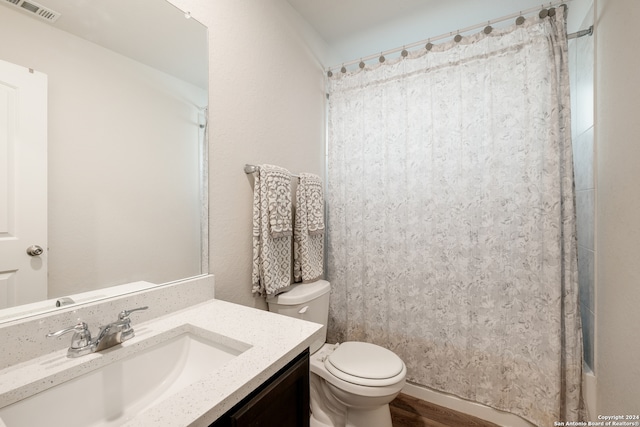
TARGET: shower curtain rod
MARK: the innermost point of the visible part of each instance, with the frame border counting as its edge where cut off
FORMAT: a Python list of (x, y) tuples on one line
[(487, 27), (249, 169)]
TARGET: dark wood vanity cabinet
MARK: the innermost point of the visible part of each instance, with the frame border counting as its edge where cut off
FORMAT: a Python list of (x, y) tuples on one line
[(283, 400)]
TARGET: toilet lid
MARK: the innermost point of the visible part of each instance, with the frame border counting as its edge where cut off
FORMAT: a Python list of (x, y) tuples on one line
[(364, 360)]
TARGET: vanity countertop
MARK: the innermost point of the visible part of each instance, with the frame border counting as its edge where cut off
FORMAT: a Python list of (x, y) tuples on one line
[(274, 340)]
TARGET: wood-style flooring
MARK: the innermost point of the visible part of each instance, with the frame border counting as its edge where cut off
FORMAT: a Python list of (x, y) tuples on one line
[(407, 411)]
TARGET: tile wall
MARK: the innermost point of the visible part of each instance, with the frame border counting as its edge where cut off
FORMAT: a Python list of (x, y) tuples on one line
[(581, 67)]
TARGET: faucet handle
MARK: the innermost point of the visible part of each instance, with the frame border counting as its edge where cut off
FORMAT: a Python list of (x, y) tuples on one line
[(127, 331), (81, 338), (80, 327), (124, 314)]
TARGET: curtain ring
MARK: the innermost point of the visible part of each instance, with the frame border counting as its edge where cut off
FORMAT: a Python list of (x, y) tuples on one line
[(329, 73), (361, 64), (343, 69), (488, 29), (382, 58), (429, 46), (543, 13), (404, 53), (520, 20), (457, 38)]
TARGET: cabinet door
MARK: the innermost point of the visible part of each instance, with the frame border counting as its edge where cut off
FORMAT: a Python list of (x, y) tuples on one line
[(282, 401)]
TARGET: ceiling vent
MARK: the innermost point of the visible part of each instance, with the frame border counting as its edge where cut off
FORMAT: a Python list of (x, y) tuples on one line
[(34, 8)]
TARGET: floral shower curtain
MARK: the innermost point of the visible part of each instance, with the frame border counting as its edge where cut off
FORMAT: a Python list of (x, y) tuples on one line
[(451, 218)]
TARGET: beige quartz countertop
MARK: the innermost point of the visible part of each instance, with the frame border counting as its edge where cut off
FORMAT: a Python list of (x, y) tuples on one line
[(271, 341)]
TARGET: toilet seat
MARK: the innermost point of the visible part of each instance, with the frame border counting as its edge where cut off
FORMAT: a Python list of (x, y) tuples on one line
[(365, 364)]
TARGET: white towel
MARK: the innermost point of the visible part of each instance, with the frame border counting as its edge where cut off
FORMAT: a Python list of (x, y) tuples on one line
[(308, 234), (272, 229)]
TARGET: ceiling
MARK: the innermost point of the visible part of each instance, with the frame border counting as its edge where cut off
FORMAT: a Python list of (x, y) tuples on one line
[(335, 20), (356, 28)]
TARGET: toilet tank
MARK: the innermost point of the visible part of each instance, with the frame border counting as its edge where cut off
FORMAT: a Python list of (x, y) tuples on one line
[(307, 301)]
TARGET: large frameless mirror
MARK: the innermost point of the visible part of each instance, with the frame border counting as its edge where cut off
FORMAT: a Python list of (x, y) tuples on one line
[(125, 205)]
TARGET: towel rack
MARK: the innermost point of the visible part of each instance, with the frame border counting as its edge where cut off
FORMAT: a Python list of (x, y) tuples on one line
[(249, 169)]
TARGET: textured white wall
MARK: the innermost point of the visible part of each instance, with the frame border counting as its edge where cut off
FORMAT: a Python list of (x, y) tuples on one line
[(617, 207), (266, 99)]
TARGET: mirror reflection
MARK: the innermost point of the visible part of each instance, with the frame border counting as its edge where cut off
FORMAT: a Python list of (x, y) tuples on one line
[(126, 98)]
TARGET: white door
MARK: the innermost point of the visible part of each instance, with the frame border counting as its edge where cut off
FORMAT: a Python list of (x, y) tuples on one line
[(23, 185)]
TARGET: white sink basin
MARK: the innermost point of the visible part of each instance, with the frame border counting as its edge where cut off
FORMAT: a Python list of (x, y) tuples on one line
[(115, 393)]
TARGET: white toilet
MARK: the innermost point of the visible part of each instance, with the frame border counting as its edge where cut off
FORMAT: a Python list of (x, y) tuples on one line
[(351, 383)]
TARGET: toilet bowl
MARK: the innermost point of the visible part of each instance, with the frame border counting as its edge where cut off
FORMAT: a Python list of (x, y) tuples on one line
[(351, 383)]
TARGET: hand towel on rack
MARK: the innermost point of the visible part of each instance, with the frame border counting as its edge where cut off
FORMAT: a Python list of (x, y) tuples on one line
[(278, 185), (272, 230), (308, 234)]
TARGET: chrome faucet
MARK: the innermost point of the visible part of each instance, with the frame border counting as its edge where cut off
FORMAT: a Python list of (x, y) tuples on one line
[(111, 334)]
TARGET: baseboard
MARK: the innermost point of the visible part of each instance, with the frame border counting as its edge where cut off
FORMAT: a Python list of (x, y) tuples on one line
[(472, 408)]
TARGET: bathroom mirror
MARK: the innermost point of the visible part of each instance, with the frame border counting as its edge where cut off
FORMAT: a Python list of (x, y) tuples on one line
[(126, 142)]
